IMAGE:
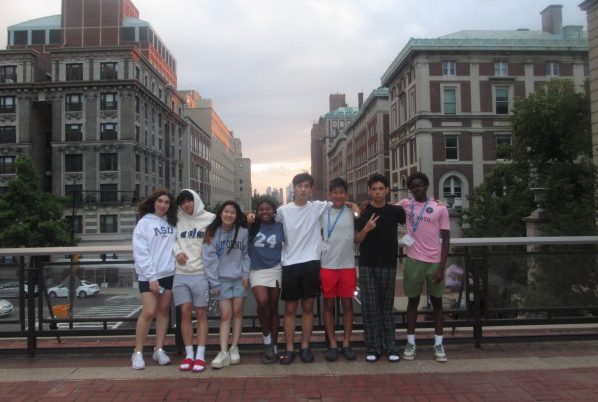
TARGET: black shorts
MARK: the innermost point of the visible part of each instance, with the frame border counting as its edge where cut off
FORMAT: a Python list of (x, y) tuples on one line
[(300, 281), (166, 283)]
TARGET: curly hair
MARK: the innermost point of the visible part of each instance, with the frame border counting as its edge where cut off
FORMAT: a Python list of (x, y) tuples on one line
[(255, 226), (240, 221), (146, 206)]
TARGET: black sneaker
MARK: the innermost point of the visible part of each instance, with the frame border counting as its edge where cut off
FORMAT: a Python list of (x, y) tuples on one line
[(269, 355), (331, 354), (307, 355), (349, 353)]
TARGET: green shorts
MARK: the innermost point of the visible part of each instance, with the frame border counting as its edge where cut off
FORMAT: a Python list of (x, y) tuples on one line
[(416, 273)]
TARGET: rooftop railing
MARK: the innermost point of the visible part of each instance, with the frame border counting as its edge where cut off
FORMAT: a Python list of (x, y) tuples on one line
[(519, 284)]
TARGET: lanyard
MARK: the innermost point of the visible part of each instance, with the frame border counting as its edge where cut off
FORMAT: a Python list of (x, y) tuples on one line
[(415, 223), (331, 228), (221, 244)]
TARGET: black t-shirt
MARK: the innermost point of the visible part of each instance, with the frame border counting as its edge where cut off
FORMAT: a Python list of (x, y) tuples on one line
[(380, 246)]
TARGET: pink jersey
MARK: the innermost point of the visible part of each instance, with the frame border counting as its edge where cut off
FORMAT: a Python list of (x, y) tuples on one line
[(428, 223)]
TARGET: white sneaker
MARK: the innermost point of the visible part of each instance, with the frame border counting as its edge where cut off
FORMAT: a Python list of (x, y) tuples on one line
[(161, 357), (221, 360), (137, 361), (439, 354), (409, 352), (235, 357)]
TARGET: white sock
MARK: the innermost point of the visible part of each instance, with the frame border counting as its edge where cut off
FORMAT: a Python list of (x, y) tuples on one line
[(201, 352), (276, 349), (189, 351), (437, 340), (411, 339), (267, 339)]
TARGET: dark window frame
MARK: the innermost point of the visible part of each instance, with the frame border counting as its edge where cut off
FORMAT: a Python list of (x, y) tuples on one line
[(7, 164), (108, 223), (107, 133), (8, 74), (109, 162), (109, 104), (74, 71), (8, 134), (73, 162), (8, 108), (71, 133), (109, 70), (73, 102)]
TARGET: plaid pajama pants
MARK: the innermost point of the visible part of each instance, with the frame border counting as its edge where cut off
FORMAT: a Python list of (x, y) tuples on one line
[(377, 288)]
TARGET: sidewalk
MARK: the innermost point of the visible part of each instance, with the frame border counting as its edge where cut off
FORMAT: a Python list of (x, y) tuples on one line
[(548, 371)]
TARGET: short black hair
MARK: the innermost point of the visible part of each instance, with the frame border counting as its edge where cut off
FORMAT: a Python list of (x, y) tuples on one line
[(417, 175), (338, 182), (378, 177), (303, 177), (183, 196)]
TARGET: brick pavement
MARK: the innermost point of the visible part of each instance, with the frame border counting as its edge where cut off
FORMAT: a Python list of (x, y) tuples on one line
[(547, 371)]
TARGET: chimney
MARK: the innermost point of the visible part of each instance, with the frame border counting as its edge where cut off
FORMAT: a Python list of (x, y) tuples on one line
[(359, 100), (552, 19)]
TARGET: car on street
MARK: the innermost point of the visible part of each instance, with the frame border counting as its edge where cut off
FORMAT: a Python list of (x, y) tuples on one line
[(5, 308), (11, 289), (86, 289)]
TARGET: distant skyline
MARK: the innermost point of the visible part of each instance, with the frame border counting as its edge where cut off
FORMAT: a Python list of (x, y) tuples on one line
[(269, 65)]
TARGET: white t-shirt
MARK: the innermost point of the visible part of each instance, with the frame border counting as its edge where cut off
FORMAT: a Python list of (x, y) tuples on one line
[(301, 231), (339, 251)]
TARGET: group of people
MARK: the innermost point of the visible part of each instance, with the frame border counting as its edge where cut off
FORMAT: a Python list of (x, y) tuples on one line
[(293, 252)]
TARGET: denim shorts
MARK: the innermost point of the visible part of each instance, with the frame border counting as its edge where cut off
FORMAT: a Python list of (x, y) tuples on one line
[(230, 288)]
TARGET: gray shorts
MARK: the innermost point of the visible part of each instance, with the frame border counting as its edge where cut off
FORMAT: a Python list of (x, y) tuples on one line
[(191, 288)]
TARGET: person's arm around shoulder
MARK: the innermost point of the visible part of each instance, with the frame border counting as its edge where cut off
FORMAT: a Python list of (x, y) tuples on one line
[(180, 256), (354, 209)]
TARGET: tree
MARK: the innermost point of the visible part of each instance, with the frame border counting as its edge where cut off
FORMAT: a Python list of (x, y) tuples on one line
[(30, 217), (551, 149)]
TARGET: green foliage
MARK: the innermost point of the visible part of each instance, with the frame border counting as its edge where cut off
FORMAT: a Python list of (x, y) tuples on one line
[(30, 217), (551, 148)]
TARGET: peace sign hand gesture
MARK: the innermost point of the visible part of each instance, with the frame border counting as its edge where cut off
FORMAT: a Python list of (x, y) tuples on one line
[(371, 223)]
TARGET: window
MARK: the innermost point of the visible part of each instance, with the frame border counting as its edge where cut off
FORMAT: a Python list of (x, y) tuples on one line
[(108, 223), (449, 100), (137, 163), (449, 68), (451, 147), (501, 69), (412, 105), (8, 135), (137, 133), (108, 193), (75, 190), (108, 71), (20, 37), (108, 101), (502, 100), (128, 34), (7, 164), (72, 132), (552, 68), (137, 105), (452, 188), (7, 104), (55, 36), (402, 111), (73, 163), (503, 146), (74, 72), (75, 223), (108, 132), (108, 162), (8, 74), (38, 37), (137, 73), (394, 116), (73, 102)]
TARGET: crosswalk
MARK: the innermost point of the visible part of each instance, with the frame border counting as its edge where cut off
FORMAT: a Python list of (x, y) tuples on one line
[(115, 306)]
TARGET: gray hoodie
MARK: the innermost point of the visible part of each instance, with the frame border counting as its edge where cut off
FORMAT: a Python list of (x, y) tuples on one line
[(190, 230), (219, 263)]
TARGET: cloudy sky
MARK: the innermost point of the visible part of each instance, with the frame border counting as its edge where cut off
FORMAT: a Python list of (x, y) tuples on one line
[(269, 65)]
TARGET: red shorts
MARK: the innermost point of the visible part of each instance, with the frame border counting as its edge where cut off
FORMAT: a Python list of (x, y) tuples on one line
[(338, 282)]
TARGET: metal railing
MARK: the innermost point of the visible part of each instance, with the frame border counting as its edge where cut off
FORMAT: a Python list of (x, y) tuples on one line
[(491, 283)]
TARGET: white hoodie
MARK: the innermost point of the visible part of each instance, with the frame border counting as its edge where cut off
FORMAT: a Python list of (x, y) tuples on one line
[(153, 240), (190, 236)]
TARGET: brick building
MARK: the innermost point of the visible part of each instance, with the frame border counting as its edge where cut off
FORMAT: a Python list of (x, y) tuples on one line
[(91, 95)]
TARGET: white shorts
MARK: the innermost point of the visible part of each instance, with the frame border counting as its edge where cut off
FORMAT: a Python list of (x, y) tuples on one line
[(268, 277)]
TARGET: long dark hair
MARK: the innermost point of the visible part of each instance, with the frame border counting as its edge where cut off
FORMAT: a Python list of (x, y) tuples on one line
[(146, 206), (255, 226), (240, 222)]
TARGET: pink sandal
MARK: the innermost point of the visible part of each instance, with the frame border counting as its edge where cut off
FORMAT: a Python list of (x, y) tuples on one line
[(186, 364)]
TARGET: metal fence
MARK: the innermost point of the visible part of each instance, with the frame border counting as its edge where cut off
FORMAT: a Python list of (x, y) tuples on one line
[(490, 283)]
